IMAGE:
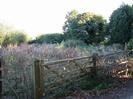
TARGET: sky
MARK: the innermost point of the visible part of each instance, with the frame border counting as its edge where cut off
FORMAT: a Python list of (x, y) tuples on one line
[(37, 17)]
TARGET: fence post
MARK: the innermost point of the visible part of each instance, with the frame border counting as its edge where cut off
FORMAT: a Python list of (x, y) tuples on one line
[(125, 47), (38, 79), (0, 78), (94, 68)]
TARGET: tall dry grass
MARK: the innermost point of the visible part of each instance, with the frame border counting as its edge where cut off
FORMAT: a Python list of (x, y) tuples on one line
[(18, 62)]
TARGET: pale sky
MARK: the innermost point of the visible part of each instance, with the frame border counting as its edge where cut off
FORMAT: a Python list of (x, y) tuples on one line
[(48, 16)]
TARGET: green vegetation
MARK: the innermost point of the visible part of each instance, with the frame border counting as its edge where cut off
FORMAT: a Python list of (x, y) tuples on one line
[(3, 31), (83, 34), (1, 38), (121, 24), (9, 36), (102, 81), (49, 38), (93, 29), (130, 44), (72, 43), (79, 28), (87, 27), (15, 38)]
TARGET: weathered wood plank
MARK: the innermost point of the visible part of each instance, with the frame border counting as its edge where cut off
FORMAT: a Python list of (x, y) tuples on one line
[(65, 60), (56, 84), (38, 79)]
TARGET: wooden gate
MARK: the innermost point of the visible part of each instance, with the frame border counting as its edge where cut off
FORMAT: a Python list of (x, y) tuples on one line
[(50, 77), (55, 76)]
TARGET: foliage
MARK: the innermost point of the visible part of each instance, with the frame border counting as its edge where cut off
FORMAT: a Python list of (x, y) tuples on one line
[(102, 81), (130, 44), (3, 30), (121, 24), (49, 38), (15, 38), (86, 26), (72, 43), (1, 37)]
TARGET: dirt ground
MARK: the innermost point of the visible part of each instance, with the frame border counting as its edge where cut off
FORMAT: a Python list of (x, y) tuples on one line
[(124, 92)]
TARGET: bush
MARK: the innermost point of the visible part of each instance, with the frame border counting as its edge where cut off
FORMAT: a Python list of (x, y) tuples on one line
[(15, 38), (120, 26), (87, 26), (49, 38), (130, 44), (72, 43), (100, 82)]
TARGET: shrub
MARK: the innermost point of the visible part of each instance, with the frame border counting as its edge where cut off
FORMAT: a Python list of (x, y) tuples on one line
[(130, 44), (87, 26), (15, 38), (49, 38), (72, 43), (120, 25)]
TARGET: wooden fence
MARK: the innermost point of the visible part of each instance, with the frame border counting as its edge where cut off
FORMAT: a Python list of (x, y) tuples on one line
[(56, 76)]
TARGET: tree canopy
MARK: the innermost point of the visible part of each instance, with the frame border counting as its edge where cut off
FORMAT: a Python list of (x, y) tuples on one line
[(85, 26), (121, 24), (15, 37), (49, 38), (3, 31)]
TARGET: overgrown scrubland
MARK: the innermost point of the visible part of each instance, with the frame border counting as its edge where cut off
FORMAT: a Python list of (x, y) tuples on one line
[(18, 62)]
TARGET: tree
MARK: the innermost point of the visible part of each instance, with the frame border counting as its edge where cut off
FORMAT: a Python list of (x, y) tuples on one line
[(121, 24), (71, 21), (49, 38), (15, 37), (1, 38), (86, 26), (3, 31)]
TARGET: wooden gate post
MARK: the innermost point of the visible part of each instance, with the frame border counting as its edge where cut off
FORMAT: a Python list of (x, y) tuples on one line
[(94, 68), (38, 79)]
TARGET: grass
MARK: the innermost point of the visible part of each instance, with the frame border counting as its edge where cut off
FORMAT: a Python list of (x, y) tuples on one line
[(95, 85), (18, 62), (99, 83)]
